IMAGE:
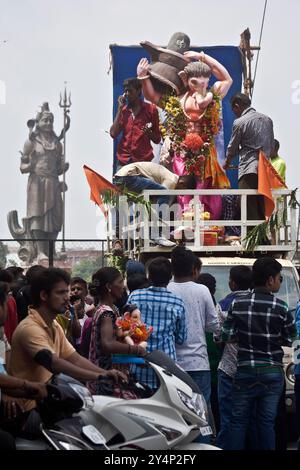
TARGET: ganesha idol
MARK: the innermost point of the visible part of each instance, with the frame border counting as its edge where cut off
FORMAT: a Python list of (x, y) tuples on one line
[(177, 81)]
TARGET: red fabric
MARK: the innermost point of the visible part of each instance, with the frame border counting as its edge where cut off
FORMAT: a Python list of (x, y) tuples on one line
[(12, 318), (268, 179), (98, 185), (135, 144)]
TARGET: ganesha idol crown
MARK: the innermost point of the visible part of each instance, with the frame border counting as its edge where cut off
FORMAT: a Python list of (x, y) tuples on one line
[(167, 62)]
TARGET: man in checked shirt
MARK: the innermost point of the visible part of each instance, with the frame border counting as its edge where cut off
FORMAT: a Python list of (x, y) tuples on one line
[(164, 311), (260, 324)]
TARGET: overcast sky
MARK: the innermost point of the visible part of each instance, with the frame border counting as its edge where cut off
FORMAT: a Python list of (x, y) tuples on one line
[(68, 40)]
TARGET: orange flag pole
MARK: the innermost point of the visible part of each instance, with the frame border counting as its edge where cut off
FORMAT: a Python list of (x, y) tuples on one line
[(268, 179)]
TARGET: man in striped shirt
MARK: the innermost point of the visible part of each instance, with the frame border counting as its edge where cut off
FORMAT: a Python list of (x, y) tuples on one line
[(252, 132), (164, 311), (260, 324)]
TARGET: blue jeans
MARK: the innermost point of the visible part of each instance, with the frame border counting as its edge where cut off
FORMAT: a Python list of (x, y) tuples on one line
[(259, 390), (138, 184), (225, 392), (203, 380)]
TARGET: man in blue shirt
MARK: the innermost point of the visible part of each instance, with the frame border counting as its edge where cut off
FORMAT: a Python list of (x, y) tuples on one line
[(162, 310)]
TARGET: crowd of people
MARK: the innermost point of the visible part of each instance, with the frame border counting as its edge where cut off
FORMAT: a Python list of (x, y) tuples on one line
[(51, 323)]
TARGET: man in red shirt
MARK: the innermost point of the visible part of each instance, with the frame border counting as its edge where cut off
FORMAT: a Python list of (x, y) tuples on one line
[(139, 123)]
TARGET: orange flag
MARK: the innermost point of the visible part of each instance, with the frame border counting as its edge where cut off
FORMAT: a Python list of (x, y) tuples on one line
[(98, 185), (268, 179)]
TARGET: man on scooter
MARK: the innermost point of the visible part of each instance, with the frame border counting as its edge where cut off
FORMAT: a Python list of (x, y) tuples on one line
[(39, 347), (11, 388)]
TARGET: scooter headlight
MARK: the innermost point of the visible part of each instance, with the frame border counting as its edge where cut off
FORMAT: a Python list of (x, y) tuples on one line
[(196, 404), (170, 434), (84, 394)]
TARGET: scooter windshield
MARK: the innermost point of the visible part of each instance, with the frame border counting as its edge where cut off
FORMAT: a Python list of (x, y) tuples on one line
[(163, 360)]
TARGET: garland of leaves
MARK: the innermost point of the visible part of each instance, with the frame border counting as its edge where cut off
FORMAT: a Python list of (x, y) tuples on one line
[(111, 197), (175, 124), (260, 233), (118, 261), (117, 258)]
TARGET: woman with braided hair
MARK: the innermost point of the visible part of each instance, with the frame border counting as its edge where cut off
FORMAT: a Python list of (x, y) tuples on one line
[(107, 287)]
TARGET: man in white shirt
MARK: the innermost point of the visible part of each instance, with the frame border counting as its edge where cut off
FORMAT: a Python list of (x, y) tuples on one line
[(140, 176), (201, 317)]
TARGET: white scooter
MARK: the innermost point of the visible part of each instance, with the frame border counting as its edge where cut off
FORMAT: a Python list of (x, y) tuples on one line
[(55, 424), (172, 418)]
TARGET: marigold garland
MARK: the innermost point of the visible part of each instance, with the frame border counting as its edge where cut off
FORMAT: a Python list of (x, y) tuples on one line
[(196, 147), (175, 124)]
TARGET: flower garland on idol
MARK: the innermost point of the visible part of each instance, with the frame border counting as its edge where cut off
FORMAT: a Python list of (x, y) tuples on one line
[(138, 331), (195, 147)]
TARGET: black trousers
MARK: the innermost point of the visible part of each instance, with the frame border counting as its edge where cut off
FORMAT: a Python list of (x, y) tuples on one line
[(255, 204)]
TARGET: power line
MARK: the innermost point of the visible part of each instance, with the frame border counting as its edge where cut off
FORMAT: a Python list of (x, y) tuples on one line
[(260, 40)]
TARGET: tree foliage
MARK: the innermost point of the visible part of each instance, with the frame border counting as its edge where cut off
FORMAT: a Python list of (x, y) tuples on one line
[(87, 267)]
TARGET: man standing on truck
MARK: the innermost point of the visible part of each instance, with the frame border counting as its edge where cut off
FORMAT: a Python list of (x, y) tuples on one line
[(277, 162), (251, 133), (139, 123), (260, 324)]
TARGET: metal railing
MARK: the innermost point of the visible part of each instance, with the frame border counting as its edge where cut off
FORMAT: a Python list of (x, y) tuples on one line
[(137, 231)]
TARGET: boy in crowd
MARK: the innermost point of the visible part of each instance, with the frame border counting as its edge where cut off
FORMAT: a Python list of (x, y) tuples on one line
[(260, 324)]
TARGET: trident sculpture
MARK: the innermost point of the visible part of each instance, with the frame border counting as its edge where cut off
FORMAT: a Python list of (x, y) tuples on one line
[(65, 104)]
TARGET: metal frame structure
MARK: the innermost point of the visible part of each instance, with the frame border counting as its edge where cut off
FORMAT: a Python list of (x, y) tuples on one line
[(247, 52), (137, 234)]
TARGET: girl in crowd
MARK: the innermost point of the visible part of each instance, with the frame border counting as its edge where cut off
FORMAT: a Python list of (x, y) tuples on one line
[(108, 287)]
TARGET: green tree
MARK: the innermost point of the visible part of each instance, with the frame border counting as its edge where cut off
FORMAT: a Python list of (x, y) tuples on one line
[(87, 267)]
